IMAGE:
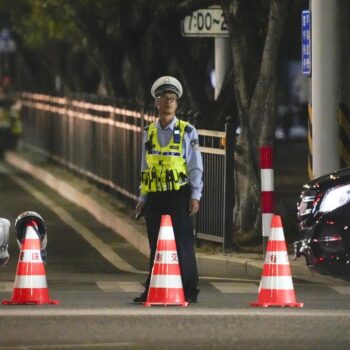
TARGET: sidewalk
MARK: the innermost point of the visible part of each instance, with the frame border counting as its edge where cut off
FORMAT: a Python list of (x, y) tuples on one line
[(116, 216)]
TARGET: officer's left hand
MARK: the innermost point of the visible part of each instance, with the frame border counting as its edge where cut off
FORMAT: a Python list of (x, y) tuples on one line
[(193, 207), (139, 210)]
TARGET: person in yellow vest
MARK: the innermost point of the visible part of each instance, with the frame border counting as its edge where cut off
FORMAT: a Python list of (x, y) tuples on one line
[(171, 181), (10, 123)]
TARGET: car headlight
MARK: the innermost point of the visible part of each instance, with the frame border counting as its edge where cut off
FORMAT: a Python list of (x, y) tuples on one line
[(335, 198)]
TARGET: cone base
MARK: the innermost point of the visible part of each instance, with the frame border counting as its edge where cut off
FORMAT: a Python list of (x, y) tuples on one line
[(166, 296), (267, 304), (23, 296), (184, 304), (34, 302), (276, 297)]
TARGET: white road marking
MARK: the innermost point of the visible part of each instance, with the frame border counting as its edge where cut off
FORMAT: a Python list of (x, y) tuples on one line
[(106, 251), (6, 286), (341, 289), (69, 346), (242, 287), (232, 287), (138, 310), (128, 287), (231, 279)]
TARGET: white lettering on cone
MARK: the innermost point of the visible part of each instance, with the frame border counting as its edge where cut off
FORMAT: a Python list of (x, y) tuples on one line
[(166, 257), (32, 255), (276, 258)]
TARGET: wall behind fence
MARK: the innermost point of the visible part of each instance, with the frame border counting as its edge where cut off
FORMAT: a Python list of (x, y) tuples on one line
[(103, 143)]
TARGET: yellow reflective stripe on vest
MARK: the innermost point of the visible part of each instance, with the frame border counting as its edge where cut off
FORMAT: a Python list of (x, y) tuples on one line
[(167, 170)]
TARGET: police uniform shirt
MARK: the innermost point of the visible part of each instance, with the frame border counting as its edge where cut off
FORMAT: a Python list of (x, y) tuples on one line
[(190, 151)]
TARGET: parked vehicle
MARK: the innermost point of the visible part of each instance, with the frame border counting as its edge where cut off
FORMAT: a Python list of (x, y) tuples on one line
[(324, 224)]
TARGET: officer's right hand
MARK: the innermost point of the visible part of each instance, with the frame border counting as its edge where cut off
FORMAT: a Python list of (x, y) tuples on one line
[(193, 206), (139, 210)]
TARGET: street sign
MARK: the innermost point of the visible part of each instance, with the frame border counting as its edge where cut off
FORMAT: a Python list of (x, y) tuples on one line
[(208, 22), (306, 42), (7, 44)]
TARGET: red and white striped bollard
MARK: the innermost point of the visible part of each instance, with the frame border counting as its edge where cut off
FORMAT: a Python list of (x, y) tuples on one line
[(267, 192)]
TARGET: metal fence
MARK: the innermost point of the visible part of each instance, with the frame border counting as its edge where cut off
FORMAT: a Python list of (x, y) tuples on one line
[(103, 143)]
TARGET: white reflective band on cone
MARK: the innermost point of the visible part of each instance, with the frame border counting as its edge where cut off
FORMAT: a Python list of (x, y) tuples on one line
[(267, 180), (30, 233), (166, 281), (276, 258), (32, 255), (166, 233), (30, 282), (266, 224), (166, 257), (282, 282), (277, 234)]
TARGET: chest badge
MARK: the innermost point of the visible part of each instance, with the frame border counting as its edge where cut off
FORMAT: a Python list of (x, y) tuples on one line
[(176, 136)]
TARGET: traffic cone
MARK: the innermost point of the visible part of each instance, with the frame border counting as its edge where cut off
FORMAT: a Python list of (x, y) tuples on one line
[(166, 284), (30, 285), (276, 285)]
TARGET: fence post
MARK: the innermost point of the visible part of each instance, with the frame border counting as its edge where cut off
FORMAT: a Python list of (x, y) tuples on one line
[(229, 186)]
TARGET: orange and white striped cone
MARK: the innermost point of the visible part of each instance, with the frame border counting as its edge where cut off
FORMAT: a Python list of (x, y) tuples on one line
[(276, 285), (30, 285), (166, 284)]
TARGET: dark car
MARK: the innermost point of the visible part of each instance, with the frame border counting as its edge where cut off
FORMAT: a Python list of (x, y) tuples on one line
[(324, 224)]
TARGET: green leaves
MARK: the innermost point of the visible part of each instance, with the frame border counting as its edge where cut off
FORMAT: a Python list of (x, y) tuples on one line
[(40, 21)]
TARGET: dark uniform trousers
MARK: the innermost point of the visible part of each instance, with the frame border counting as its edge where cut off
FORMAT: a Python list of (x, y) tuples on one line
[(175, 204)]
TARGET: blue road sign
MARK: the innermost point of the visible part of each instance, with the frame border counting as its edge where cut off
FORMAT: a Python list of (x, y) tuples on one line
[(7, 44), (306, 41)]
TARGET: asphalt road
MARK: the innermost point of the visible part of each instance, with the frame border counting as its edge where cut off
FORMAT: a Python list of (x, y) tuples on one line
[(95, 274)]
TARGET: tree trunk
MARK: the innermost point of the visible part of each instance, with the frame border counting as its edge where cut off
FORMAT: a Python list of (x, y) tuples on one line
[(255, 72)]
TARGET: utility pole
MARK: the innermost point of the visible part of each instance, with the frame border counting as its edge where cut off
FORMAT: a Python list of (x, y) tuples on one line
[(222, 62), (345, 54), (210, 23), (325, 85)]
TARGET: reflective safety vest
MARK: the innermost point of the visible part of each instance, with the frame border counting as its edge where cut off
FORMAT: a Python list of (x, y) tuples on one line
[(167, 170), (9, 118)]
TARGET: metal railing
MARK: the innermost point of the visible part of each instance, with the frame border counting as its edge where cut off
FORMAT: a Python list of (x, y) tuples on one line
[(103, 143), (210, 221)]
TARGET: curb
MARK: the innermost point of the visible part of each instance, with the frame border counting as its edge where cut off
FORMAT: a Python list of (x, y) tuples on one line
[(228, 266)]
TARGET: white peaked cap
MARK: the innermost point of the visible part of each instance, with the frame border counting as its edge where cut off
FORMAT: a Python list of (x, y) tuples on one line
[(166, 84)]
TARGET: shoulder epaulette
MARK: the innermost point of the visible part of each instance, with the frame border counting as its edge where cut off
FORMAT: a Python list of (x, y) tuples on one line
[(188, 128)]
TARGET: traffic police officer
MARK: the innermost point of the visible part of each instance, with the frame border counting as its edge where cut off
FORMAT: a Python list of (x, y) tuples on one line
[(171, 181)]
